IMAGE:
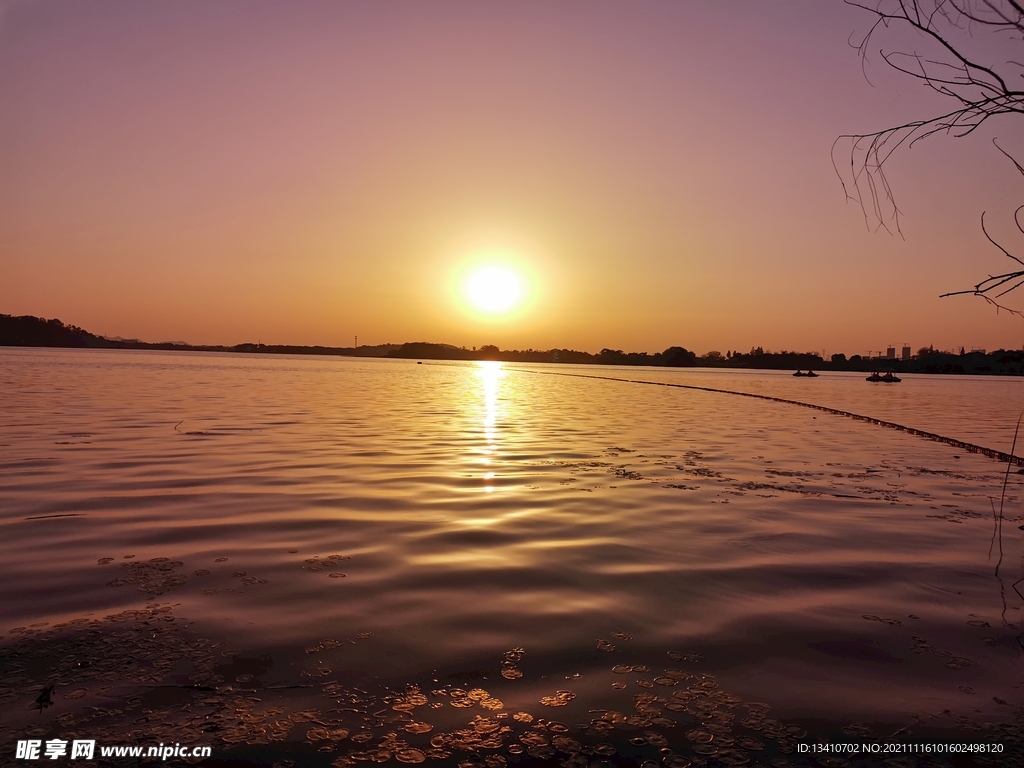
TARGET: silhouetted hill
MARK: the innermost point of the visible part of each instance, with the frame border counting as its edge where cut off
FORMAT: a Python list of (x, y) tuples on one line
[(28, 331), (424, 350)]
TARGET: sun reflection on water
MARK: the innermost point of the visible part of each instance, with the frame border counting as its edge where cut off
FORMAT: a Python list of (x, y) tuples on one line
[(490, 373)]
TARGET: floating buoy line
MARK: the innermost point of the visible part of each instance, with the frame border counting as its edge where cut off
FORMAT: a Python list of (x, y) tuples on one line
[(1000, 456)]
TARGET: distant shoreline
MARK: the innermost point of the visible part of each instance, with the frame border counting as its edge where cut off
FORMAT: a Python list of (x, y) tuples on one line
[(30, 331)]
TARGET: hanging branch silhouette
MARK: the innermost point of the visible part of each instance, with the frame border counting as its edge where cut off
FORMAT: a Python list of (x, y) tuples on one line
[(995, 287), (979, 91)]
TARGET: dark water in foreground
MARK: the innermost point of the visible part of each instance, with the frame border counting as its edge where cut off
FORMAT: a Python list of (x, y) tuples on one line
[(330, 560)]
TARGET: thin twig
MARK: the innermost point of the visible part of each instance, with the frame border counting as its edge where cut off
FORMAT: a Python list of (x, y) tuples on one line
[(1002, 497)]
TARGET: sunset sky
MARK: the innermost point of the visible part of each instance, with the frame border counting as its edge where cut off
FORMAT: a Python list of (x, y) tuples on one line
[(653, 173)]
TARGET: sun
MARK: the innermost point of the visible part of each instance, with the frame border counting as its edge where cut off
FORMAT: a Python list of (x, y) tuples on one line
[(494, 290)]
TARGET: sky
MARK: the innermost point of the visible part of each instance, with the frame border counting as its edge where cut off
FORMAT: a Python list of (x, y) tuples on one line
[(656, 174)]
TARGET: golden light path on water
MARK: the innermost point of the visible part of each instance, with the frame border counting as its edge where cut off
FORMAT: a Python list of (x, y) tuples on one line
[(491, 374), (345, 517)]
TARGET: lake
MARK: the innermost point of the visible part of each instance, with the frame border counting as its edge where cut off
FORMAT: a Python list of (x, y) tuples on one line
[(335, 560)]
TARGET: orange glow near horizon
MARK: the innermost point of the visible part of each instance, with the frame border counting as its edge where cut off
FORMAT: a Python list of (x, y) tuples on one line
[(303, 173)]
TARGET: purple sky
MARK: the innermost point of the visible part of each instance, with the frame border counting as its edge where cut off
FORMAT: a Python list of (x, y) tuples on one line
[(303, 172)]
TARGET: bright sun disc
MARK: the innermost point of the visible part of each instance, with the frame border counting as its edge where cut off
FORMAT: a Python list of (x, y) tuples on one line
[(494, 289)]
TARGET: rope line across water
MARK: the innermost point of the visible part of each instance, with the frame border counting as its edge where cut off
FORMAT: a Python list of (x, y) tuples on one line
[(969, 447)]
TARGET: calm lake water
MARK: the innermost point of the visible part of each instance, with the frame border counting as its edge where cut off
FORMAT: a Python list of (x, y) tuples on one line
[(327, 539)]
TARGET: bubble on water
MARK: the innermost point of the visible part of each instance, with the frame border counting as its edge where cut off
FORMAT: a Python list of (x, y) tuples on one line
[(293, 551), (693, 658), (678, 674), (655, 739), (128, 557), (201, 572), (337, 575), (104, 560), (418, 727), (410, 756), (364, 635), (238, 574), (221, 560), (509, 661), (700, 736), (362, 737), (154, 577), (77, 693), (605, 645), (533, 739), (621, 635), (618, 686), (560, 699), (622, 669), (605, 750), (523, 717)]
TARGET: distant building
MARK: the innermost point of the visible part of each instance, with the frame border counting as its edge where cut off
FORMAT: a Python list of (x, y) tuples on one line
[(906, 352), (890, 353)]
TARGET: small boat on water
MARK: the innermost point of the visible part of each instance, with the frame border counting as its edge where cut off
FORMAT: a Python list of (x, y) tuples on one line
[(889, 377), (809, 373)]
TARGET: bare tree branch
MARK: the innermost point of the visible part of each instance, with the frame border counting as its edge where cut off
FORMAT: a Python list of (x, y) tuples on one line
[(979, 89), (988, 288)]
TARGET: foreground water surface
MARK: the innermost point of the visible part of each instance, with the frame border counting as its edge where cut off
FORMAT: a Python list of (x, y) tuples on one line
[(343, 559)]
